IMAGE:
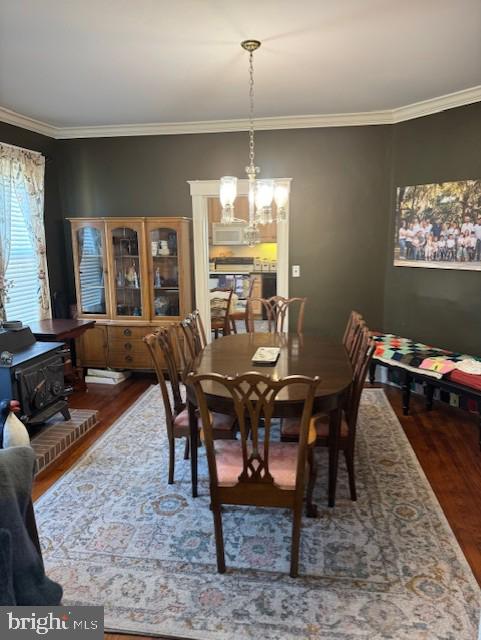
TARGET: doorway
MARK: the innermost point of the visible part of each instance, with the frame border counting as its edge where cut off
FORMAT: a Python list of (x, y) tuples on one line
[(201, 191)]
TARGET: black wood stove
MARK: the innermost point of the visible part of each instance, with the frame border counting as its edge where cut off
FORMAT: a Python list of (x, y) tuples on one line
[(33, 373)]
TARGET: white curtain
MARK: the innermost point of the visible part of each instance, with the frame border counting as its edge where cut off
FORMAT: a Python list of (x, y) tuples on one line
[(22, 173), (6, 169)]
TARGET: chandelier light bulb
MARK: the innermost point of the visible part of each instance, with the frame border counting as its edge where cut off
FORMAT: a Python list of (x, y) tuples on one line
[(227, 195), (264, 193), (281, 198)]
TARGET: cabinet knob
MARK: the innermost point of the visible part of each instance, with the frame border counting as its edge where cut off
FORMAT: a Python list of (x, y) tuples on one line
[(127, 332), (128, 358), (128, 346)]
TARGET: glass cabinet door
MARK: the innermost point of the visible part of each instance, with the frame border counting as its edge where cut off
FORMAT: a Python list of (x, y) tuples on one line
[(164, 285), (91, 270), (126, 274)]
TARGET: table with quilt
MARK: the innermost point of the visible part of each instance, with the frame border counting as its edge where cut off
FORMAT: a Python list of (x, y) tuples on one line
[(456, 375), (426, 360)]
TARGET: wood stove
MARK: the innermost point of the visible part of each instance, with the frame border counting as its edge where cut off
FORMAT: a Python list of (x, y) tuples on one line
[(33, 373)]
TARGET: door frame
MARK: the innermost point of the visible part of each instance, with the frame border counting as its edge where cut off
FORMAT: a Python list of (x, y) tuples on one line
[(200, 191)]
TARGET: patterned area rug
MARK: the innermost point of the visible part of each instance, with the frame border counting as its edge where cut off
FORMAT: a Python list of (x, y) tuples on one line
[(388, 566)]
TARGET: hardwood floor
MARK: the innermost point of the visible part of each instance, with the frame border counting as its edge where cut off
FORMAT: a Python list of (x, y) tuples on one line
[(110, 402), (445, 440)]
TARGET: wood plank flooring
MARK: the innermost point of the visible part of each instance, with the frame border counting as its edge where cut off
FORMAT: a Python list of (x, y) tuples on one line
[(445, 441), (110, 402)]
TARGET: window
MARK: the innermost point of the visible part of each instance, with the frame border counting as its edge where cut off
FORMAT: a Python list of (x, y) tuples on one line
[(22, 299), (23, 263)]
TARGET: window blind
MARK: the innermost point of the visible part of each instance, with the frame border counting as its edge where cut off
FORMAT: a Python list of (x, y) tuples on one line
[(91, 272), (22, 303)]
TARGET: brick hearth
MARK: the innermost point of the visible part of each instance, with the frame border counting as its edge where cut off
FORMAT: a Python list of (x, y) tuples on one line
[(52, 440)]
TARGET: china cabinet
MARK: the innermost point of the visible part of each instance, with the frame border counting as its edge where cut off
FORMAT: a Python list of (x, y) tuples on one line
[(132, 275)]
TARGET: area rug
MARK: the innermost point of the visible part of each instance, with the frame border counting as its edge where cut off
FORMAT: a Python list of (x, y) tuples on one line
[(116, 534)]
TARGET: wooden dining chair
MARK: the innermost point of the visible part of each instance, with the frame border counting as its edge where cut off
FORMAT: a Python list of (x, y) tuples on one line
[(351, 333), (198, 327), (276, 309), (162, 348), (186, 347), (241, 314), (194, 335), (319, 425), (255, 470), (220, 306)]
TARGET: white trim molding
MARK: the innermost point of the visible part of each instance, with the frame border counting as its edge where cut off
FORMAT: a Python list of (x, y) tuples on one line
[(24, 122), (436, 105), (200, 191), (386, 116)]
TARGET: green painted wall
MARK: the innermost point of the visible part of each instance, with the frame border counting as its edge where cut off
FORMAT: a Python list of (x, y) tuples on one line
[(341, 233), (438, 306), (339, 203)]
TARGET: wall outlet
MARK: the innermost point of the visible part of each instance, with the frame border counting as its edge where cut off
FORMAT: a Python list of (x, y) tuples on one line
[(296, 271)]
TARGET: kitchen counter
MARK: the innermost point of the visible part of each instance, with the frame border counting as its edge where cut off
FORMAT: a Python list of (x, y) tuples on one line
[(239, 273)]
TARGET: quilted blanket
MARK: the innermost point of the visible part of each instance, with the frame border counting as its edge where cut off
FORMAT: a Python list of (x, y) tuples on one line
[(416, 356)]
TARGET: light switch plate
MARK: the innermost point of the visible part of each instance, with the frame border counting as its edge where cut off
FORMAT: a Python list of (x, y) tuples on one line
[(296, 271)]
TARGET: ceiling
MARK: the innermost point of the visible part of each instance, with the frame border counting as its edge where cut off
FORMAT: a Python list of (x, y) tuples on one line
[(84, 63)]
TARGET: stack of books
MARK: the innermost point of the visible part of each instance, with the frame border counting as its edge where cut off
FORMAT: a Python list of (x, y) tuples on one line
[(105, 376)]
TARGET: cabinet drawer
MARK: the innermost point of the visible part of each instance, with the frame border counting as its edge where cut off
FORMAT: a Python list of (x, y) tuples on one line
[(132, 333), (128, 346), (127, 360)]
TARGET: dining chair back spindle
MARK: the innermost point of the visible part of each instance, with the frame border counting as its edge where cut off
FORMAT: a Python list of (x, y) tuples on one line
[(275, 309), (351, 333), (220, 307), (162, 351), (319, 426), (255, 470), (241, 313), (199, 327), (162, 347), (193, 341), (364, 355), (185, 347)]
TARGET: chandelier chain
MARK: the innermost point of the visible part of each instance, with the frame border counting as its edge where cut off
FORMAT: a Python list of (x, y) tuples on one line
[(262, 193), (251, 111)]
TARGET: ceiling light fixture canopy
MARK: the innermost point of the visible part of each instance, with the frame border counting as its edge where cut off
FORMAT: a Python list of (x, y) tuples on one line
[(262, 193)]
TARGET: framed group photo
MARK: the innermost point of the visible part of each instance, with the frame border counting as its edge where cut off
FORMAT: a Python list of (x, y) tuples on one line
[(439, 225)]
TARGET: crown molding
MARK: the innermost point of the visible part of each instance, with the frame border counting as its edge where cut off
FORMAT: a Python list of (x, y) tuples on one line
[(436, 105), (386, 116), (24, 122), (226, 126)]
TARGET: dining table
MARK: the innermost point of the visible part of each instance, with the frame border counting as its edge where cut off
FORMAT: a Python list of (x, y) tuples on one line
[(300, 354)]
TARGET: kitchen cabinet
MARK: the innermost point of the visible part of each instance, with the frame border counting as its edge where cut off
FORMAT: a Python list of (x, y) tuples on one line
[(268, 232)]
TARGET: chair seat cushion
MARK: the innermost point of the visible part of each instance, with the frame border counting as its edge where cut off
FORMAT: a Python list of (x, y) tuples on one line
[(318, 427), (282, 463), (238, 314), (222, 424), (181, 423)]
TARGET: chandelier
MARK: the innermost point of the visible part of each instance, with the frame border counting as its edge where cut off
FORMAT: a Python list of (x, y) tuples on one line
[(262, 193)]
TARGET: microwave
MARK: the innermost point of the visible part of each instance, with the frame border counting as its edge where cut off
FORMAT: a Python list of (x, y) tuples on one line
[(232, 233)]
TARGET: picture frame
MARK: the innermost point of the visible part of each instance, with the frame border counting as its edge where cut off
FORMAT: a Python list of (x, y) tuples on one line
[(438, 225)]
